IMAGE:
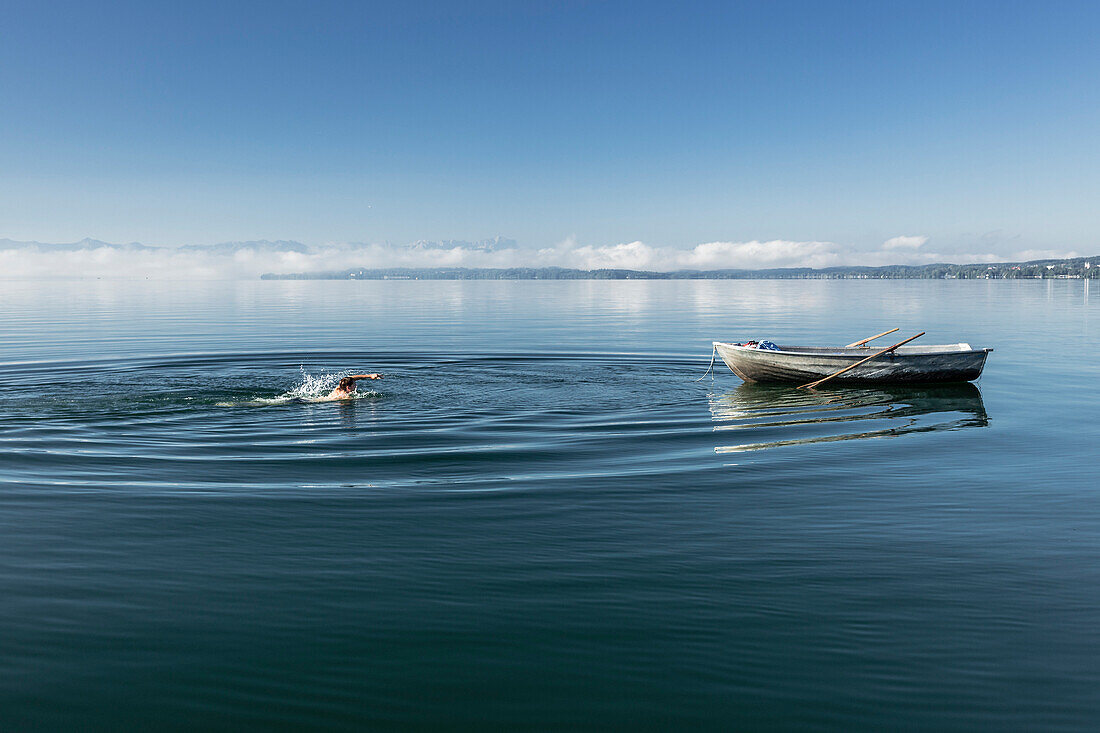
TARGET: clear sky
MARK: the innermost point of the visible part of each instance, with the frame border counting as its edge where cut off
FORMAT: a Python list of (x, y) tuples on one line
[(973, 124)]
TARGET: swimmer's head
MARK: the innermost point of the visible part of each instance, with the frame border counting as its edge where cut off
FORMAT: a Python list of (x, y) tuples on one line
[(347, 384)]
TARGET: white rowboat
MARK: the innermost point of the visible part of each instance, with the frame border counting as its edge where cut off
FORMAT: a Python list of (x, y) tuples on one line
[(905, 364)]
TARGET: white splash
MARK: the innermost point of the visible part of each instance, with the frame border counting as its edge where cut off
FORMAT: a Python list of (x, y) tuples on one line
[(310, 389)]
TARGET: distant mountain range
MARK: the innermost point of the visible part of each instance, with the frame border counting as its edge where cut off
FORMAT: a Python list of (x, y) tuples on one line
[(1075, 268), (261, 245), (83, 244)]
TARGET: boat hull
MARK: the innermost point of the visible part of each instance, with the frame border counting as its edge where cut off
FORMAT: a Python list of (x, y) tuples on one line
[(912, 365)]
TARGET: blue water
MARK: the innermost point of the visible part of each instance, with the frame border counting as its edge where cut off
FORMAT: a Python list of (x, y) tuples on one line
[(539, 519)]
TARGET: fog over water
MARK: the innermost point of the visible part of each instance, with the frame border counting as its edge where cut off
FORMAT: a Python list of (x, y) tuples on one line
[(92, 258)]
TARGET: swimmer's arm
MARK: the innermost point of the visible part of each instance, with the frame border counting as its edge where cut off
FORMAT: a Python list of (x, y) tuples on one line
[(366, 376)]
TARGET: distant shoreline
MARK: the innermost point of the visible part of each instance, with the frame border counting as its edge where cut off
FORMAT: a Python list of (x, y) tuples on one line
[(1077, 268)]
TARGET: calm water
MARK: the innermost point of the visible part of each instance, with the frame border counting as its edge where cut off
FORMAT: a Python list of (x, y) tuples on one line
[(539, 520)]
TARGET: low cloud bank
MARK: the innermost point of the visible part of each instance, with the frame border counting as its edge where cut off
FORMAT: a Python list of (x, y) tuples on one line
[(237, 260)]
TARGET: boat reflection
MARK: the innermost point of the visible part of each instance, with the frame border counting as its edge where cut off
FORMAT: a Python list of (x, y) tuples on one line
[(757, 416)]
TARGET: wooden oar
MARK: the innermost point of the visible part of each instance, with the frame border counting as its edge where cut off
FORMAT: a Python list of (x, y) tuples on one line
[(862, 361), (861, 343)]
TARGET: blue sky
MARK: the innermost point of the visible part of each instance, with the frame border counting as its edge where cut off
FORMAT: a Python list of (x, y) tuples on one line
[(674, 124)]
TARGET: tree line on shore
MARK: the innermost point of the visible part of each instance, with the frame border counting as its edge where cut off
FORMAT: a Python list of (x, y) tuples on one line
[(1076, 268)]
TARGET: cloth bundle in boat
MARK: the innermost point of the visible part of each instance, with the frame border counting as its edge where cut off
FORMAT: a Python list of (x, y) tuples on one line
[(767, 346)]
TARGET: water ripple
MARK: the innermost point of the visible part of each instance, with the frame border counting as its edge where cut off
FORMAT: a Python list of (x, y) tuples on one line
[(764, 417)]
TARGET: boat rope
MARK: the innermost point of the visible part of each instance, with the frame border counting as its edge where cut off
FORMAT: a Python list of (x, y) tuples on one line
[(713, 351)]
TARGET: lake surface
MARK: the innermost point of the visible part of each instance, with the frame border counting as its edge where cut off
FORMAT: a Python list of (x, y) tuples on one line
[(540, 520)]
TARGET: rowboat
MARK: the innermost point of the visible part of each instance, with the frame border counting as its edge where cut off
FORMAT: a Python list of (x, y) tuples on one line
[(905, 364)]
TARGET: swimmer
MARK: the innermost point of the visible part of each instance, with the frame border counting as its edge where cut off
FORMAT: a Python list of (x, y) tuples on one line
[(346, 388)]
